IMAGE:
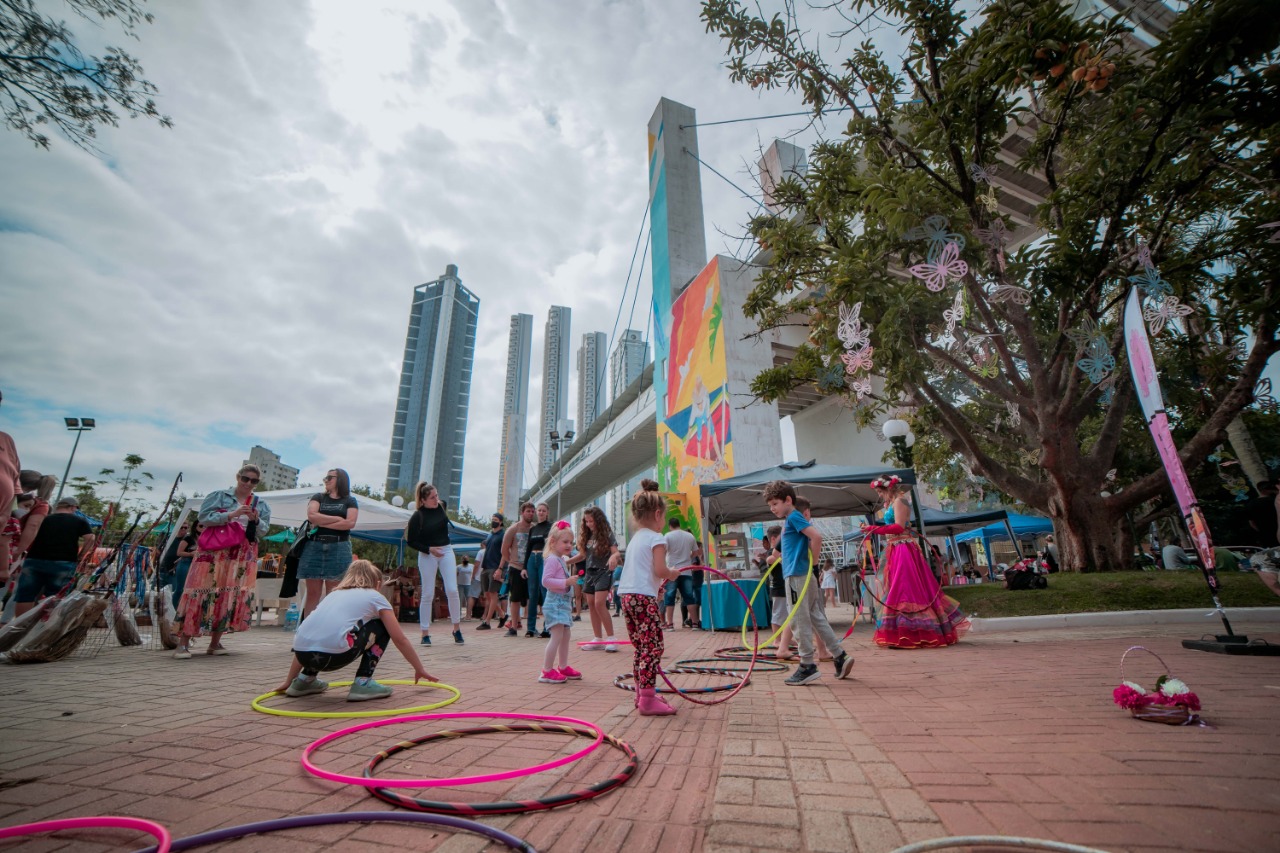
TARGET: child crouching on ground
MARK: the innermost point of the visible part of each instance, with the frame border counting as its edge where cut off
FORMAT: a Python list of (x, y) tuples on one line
[(645, 567), (353, 621), (557, 616)]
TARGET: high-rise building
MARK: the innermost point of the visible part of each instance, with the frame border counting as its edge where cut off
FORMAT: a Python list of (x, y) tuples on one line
[(429, 432), (515, 414), (630, 355), (592, 391), (275, 474), (555, 380)]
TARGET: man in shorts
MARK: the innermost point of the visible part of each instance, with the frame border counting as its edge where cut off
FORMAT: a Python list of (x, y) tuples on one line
[(52, 559), (489, 562)]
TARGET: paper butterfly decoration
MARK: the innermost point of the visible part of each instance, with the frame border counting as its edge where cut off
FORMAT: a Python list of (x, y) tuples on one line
[(1164, 312), (986, 363), (935, 231), (1108, 391), (1111, 476), (942, 340), (857, 360), (1011, 293), (1015, 416), (1144, 255), (1236, 486), (990, 201), (1150, 281), (996, 236), (831, 378), (983, 174), (1030, 458), (955, 313), (1262, 395), (948, 266), (1099, 362), (861, 387), (1087, 332), (851, 331)]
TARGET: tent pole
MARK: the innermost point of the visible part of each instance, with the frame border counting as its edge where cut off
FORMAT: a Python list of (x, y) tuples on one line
[(1016, 547)]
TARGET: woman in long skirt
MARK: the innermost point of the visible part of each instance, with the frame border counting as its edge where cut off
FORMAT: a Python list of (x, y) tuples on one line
[(915, 614), (221, 585)]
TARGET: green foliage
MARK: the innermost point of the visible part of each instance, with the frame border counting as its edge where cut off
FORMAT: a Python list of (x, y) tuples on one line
[(46, 81), (1173, 149)]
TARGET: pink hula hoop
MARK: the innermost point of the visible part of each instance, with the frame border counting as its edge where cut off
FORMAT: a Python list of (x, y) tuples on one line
[(370, 782), (104, 822), (755, 652), (605, 643)]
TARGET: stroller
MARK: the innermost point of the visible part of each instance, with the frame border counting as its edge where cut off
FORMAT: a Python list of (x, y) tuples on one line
[(1026, 574)]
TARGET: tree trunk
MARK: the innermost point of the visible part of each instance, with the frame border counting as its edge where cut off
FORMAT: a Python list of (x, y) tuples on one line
[(1246, 451), (1090, 537)]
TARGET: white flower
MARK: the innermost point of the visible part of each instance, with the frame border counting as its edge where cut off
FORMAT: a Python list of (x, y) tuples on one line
[(1135, 687), (1174, 687)]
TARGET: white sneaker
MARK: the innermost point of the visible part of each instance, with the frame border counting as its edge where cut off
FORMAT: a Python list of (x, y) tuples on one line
[(593, 646), (611, 645)]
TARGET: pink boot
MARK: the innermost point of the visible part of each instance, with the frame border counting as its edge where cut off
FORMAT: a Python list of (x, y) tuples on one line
[(652, 705)]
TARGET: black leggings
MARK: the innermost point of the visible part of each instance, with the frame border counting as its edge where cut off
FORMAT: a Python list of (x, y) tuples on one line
[(368, 640)]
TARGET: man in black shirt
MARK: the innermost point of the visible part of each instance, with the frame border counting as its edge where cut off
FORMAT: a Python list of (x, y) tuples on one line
[(54, 554), (489, 564)]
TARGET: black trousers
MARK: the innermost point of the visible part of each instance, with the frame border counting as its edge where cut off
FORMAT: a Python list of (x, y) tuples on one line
[(368, 640)]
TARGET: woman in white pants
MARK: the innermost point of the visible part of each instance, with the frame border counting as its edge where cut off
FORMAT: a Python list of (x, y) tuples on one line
[(428, 534)]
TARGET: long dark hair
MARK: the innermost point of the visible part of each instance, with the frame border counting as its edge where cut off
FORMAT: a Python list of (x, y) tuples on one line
[(603, 535), (343, 483)]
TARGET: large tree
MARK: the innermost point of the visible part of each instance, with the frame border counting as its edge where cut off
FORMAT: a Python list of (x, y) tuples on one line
[(1003, 338), (46, 80)]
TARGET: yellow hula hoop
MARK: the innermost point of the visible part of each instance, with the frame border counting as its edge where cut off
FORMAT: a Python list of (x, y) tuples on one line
[(785, 622), (257, 705)]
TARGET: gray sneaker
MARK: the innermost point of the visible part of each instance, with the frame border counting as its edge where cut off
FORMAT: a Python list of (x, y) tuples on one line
[(372, 690), (806, 673), (305, 688)]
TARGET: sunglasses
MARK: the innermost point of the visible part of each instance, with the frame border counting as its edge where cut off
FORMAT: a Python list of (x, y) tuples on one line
[(331, 477), (245, 479)]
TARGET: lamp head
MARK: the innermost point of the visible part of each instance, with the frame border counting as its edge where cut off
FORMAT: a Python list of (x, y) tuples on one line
[(88, 423), (72, 423), (896, 428)]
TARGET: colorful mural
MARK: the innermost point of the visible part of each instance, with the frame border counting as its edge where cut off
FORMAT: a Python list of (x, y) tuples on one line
[(695, 444)]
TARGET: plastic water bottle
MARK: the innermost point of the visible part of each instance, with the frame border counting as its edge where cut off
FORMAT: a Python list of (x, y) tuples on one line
[(291, 617)]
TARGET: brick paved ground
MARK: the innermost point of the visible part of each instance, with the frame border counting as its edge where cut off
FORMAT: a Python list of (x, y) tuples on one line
[(1010, 733)]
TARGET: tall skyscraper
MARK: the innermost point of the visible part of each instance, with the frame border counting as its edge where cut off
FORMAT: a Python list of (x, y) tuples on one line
[(429, 432), (630, 355), (515, 414), (275, 474), (593, 394), (555, 380)]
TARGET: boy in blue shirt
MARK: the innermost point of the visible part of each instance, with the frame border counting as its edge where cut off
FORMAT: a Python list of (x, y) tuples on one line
[(802, 543)]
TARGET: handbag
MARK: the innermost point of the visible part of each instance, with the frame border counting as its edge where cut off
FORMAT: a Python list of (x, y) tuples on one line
[(292, 558), (223, 536)]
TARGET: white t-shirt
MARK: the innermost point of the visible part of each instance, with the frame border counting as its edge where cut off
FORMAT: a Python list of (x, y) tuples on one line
[(326, 629), (680, 547), (637, 571)]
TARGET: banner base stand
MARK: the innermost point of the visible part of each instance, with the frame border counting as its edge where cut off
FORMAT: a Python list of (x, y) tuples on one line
[(1233, 644)]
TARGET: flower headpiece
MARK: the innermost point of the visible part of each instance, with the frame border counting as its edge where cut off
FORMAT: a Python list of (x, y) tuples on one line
[(886, 482)]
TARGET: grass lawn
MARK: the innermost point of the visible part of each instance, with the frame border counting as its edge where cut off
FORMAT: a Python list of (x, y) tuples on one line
[(1093, 593)]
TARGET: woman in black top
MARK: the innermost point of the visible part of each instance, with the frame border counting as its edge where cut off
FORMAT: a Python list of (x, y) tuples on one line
[(332, 513), (428, 534), (533, 566)]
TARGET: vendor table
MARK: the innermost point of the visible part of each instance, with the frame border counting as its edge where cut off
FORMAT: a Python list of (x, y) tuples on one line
[(723, 609)]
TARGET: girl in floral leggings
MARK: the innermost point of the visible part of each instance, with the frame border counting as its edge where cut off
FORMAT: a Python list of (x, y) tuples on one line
[(645, 567)]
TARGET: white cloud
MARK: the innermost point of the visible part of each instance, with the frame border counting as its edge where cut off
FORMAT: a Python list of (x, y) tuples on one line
[(249, 273)]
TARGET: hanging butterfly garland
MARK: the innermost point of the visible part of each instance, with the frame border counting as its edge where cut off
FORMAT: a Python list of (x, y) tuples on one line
[(1108, 391), (936, 274), (856, 361), (1149, 279), (1086, 333), (1163, 312), (1015, 415), (831, 377), (1111, 476), (851, 331), (857, 356), (986, 361), (990, 201), (1262, 397), (1011, 293), (1098, 361), (954, 314), (934, 230), (983, 174), (1237, 486)]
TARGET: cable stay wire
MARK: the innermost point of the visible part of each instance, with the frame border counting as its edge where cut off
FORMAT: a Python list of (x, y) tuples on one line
[(613, 335), (706, 165), (818, 115)]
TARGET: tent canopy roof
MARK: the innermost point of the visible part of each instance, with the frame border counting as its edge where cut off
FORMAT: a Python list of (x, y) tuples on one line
[(378, 520), (1024, 527), (831, 489)]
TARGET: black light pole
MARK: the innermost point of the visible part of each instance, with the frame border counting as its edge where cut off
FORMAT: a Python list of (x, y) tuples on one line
[(78, 426), (561, 437)]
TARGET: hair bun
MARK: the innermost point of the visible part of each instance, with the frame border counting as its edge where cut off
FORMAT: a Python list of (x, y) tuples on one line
[(647, 485)]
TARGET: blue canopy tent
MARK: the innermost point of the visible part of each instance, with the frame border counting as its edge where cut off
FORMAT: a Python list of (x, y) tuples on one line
[(938, 522), (1015, 527)]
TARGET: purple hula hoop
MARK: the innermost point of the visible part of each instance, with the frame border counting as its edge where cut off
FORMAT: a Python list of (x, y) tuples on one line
[(755, 628), (226, 833)]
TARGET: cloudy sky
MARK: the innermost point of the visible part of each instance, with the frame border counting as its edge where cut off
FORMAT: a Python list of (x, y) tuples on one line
[(245, 277)]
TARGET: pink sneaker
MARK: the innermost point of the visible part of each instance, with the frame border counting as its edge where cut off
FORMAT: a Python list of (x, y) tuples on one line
[(552, 676), (570, 673)]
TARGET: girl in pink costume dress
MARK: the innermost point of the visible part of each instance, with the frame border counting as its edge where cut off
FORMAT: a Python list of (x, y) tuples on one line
[(916, 614)]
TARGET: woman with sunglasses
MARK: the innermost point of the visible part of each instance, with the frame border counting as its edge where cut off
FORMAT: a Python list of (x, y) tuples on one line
[(428, 534), (332, 514), (221, 586)]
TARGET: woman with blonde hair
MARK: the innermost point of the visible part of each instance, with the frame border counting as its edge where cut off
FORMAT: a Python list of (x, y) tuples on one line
[(354, 620), (222, 584)]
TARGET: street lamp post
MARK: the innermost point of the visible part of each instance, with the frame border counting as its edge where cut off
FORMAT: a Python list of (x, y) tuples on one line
[(561, 437), (900, 436), (78, 426)]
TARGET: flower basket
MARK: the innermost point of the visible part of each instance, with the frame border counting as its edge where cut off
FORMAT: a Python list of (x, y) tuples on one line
[(1171, 703)]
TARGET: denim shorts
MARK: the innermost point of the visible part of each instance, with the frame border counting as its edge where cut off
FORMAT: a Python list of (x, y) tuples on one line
[(324, 560), (43, 577)]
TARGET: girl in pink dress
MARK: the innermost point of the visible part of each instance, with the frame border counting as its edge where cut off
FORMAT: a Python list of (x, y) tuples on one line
[(915, 614)]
